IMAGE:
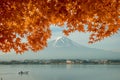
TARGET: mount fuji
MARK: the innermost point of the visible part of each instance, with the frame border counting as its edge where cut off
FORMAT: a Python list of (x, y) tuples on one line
[(65, 48)]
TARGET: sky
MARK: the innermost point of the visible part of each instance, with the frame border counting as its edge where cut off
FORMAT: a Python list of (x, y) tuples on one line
[(111, 43)]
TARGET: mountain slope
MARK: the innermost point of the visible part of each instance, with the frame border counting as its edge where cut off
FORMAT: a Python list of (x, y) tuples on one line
[(63, 47)]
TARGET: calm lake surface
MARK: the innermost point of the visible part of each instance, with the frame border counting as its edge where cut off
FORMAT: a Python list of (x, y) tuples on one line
[(61, 72)]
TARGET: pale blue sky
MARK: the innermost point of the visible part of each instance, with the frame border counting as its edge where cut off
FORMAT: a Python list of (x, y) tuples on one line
[(112, 43)]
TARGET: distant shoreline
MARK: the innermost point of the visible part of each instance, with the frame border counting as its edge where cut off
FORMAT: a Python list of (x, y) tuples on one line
[(61, 61)]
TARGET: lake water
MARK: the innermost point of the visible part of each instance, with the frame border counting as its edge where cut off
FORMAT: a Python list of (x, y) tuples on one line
[(61, 72)]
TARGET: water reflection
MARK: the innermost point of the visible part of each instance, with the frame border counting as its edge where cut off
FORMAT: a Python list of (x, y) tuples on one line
[(69, 66)]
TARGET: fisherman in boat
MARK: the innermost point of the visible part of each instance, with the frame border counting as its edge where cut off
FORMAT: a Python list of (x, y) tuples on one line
[(21, 72)]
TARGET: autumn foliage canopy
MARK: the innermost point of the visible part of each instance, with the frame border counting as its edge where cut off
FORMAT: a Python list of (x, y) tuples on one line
[(31, 20)]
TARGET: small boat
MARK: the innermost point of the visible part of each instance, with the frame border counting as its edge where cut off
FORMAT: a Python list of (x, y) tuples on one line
[(23, 72)]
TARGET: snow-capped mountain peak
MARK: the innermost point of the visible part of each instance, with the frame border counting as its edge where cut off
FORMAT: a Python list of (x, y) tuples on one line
[(62, 42), (60, 39)]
